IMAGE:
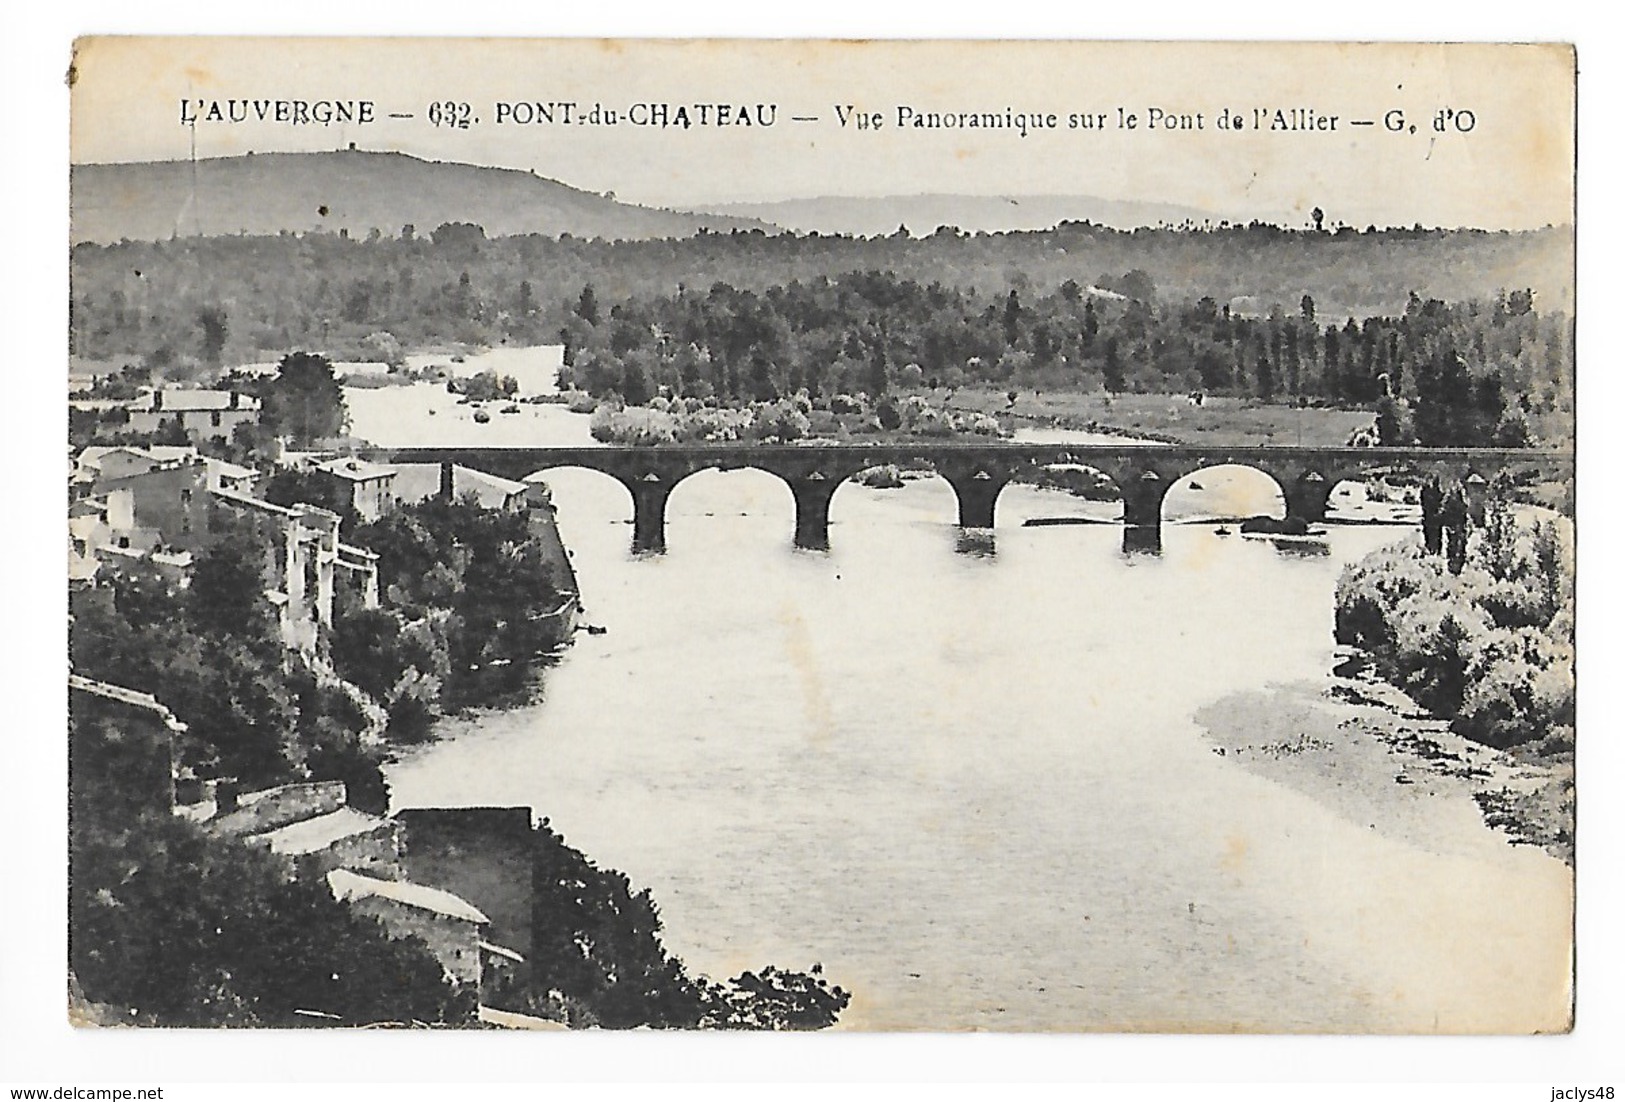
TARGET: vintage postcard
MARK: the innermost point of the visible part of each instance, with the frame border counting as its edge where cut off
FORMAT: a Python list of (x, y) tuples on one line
[(1023, 536)]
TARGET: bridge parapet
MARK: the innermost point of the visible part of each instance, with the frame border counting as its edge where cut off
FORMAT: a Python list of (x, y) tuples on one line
[(977, 470)]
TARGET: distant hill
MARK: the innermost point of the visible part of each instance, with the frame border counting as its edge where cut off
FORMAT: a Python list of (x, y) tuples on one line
[(266, 193), (922, 214)]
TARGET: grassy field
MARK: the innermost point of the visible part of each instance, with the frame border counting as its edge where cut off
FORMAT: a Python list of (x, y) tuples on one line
[(1171, 417)]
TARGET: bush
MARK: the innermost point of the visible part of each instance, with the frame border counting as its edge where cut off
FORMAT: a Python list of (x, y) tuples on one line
[(1490, 649), (780, 421)]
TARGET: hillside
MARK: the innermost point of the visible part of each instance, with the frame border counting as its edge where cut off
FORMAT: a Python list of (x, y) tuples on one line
[(267, 193), (922, 214)]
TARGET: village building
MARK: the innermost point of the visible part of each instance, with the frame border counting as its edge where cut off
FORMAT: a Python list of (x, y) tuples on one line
[(368, 488), (449, 925), (310, 830), (153, 508), (485, 855), (416, 482), (169, 502), (300, 579), (204, 415), (343, 838)]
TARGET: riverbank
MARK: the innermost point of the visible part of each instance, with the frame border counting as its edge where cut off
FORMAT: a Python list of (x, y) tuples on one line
[(1362, 748), (1168, 418)]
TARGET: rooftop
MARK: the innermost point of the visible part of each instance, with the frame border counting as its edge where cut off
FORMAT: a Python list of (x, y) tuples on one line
[(417, 481), (347, 885), (92, 456), (315, 835), (357, 470), (186, 400)]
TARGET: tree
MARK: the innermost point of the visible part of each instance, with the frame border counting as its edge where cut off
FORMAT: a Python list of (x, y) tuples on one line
[(1138, 285), (304, 399), (587, 306), (1012, 318), (292, 486), (1112, 370), (227, 593), (212, 320), (1320, 217), (458, 235), (188, 930), (1266, 377)]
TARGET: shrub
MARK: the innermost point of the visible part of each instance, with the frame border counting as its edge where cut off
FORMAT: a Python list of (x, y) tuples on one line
[(1491, 649)]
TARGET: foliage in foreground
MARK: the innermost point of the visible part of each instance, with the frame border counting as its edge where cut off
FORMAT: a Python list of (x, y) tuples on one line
[(213, 653), (1491, 648), (181, 928), (598, 960), (188, 930)]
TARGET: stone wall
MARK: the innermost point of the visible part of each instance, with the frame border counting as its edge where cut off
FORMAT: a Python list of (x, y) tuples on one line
[(453, 941), (119, 746), (482, 854), (258, 812)]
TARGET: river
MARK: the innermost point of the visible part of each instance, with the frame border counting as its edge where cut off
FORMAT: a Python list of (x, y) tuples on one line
[(964, 774)]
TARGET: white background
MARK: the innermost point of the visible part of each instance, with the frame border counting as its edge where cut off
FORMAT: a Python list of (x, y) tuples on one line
[(37, 1048)]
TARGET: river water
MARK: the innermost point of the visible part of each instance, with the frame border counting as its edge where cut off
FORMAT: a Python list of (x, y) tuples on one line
[(963, 773)]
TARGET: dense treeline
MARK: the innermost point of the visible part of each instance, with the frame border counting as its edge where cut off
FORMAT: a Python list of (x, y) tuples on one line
[(1461, 373), (208, 301)]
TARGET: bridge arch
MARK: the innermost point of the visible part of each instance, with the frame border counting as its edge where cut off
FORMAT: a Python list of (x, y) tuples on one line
[(585, 489), (1224, 491), (1095, 483), (979, 470), (762, 491), (927, 489)]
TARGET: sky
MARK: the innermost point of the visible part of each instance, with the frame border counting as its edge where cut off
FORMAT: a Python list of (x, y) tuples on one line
[(1507, 163)]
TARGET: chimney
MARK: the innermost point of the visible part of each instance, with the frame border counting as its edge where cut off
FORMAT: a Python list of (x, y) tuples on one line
[(157, 398), (226, 790), (234, 398)]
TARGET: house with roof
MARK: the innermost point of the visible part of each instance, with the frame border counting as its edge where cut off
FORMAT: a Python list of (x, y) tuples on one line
[(369, 488), (168, 492), (449, 925), (416, 482), (202, 414), (343, 838), (312, 832)]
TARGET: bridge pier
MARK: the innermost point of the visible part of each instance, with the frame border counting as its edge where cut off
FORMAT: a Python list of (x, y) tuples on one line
[(978, 493), (1307, 497), (1142, 499), (1142, 539), (813, 494), (649, 496)]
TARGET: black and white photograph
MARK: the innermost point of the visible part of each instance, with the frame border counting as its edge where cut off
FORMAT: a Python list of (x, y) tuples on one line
[(1058, 537)]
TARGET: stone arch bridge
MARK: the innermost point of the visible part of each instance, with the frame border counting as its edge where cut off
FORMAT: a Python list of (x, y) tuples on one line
[(978, 471)]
